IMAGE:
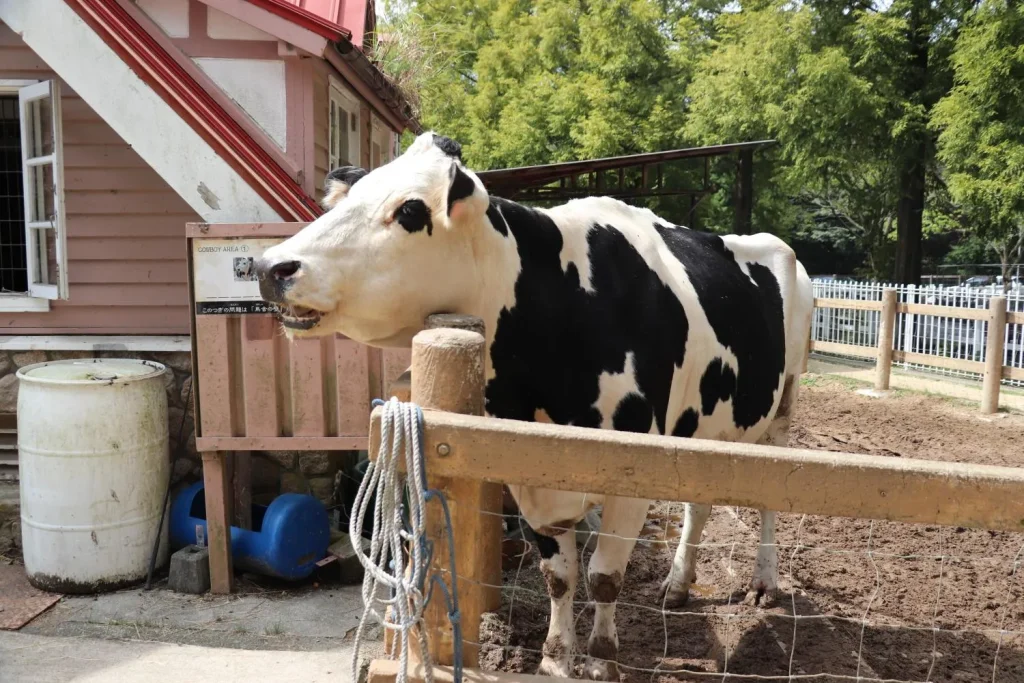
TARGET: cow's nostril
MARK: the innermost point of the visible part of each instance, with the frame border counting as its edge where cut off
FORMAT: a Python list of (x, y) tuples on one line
[(284, 269)]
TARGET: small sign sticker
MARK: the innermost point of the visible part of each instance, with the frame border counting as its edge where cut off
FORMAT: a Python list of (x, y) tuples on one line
[(224, 276), (200, 535)]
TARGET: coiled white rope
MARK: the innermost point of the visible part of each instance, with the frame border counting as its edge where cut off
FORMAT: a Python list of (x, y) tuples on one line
[(389, 566)]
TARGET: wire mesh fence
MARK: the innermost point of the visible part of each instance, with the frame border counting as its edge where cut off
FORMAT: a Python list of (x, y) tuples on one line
[(946, 337), (859, 601)]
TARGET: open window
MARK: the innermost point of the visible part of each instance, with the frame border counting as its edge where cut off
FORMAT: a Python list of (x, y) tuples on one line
[(43, 188), (343, 134)]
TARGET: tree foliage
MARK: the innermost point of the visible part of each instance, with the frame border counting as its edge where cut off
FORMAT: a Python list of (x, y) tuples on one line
[(899, 124)]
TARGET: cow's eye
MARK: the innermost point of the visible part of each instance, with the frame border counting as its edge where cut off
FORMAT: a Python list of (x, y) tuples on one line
[(414, 215)]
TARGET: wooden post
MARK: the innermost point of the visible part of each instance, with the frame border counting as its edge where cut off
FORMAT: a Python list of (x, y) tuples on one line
[(218, 493), (994, 355), (886, 330), (743, 193), (241, 477), (448, 374)]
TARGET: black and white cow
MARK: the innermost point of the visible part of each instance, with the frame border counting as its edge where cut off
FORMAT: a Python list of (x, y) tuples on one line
[(597, 314)]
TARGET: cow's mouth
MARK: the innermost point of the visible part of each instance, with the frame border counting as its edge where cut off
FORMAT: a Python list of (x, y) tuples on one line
[(298, 317)]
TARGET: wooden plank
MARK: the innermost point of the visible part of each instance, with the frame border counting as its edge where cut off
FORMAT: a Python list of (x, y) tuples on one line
[(215, 381), (260, 230), (142, 248), (281, 443), (720, 473), (108, 202), (944, 311), (854, 304), (1010, 372), (353, 378), (217, 492), (123, 179), (1015, 317), (386, 671), (938, 361), (259, 376), (845, 349), (132, 272), (307, 389), (130, 226), (129, 294), (134, 320)]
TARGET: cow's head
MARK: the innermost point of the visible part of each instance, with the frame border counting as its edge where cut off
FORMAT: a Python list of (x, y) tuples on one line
[(395, 245)]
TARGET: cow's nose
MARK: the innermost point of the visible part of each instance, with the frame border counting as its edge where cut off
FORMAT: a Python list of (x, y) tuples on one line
[(284, 270)]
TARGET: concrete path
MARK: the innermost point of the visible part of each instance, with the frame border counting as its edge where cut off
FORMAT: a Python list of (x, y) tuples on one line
[(967, 390), (27, 658)]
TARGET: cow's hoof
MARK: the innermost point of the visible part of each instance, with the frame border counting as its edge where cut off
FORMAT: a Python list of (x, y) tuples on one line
[(761, 597), (600, 670), (673, 597), (554, 668)]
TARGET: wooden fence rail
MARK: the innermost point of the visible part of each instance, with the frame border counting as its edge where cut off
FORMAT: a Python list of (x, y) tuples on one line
[(992, 369), (466, 453)]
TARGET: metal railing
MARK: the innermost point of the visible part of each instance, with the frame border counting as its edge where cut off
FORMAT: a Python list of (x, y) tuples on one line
[(956, 331)]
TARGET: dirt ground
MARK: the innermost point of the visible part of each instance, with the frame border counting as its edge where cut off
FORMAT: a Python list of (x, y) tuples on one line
[(859, 599)]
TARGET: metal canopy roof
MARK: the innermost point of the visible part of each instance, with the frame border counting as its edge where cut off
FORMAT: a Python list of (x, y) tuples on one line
[(512, 180)]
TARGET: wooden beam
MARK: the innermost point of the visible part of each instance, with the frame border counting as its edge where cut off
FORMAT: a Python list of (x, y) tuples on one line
[(281, 443), (844, 349), (218, 494), (961, 364), (722, 473), (886, 330), (448, 374), (855, 304), (994, 355), (386, 671), (944, 311), (743, 198)]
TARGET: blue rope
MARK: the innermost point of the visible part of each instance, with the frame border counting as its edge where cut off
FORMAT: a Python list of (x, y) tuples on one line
[(451, 598)]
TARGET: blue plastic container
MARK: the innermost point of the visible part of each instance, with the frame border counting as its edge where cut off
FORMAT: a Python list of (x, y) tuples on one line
[(288, 537)]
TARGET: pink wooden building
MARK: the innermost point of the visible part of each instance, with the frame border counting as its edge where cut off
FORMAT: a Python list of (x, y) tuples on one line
[(123, 120)]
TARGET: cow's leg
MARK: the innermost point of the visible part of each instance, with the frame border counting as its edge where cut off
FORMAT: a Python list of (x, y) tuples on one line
[(621, 521), (675, 589), (764, 585), (559, 564)]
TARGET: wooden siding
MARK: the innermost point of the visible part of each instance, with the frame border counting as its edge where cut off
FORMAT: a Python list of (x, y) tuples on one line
[(125, 228)]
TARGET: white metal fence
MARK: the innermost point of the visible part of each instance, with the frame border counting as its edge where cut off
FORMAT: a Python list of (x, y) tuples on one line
[(939, 336)]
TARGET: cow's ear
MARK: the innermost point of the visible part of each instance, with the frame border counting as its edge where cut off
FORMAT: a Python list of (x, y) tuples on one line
[(465, 195), (338, 182)]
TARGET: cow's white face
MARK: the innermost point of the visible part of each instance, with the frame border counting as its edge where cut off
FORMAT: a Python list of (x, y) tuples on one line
[(395, 246)]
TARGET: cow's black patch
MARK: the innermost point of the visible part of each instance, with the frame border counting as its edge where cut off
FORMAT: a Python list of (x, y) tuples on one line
[(495, 217), (414, 216), (348, 175), (448, 146), (686, 425), (717, 384), (746, 315), (633, 414), (550, 349), (462, 186), (546, 546)]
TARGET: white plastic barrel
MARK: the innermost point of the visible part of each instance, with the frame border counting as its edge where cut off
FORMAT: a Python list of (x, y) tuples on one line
[(93, 461)]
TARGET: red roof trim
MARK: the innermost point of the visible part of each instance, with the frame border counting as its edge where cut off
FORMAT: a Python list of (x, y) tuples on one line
[(211, 121), (304, 18)]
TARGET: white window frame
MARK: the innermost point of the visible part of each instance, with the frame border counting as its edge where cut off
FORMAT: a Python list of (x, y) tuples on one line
[(11, 302), (340, 98), (37, 287)]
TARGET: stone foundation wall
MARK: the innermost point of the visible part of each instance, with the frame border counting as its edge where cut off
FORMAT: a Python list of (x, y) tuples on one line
[(314, 472)]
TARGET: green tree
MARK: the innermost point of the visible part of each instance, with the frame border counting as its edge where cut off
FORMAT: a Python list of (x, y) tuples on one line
[(981, 124)]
